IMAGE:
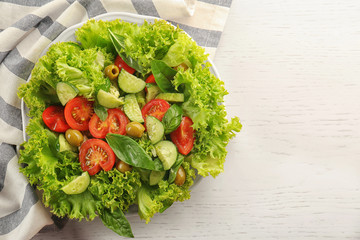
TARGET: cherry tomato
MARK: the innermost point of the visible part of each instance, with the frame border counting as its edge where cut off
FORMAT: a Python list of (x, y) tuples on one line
[(115, 123), (96, 154), (183, 136), (150, 79), (78, 112), (156, 108), (54, 119), (121, 64)]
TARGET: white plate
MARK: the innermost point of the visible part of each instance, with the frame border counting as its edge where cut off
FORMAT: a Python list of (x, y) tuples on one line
[(69, 35)]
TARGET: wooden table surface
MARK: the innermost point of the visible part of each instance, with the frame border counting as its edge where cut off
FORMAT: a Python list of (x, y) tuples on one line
[(292, 69)]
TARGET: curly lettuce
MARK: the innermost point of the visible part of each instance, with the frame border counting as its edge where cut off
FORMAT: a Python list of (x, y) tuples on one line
[(151, 200), (114, 189), (204, 94), (65, 62), (144, 42)]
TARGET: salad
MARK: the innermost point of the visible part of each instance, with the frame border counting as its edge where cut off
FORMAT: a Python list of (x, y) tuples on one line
[(129, 114)]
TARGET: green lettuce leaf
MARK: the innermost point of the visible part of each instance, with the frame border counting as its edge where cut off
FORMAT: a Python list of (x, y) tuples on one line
[(204, 95), (50, 170), (67, 62), (152, 200), (114, 189), (141, 42)]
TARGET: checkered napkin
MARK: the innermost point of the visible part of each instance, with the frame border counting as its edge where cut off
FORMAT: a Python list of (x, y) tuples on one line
[(26, 28)]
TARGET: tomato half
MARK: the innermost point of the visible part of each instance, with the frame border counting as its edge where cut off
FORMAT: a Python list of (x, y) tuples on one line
[(183, 136), (96, 154), (78, 112), (156, 108), (54, 119), (114, 123), (119, 62)]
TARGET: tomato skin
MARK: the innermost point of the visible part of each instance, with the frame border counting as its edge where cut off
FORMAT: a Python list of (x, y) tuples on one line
[(96, 154), (115, 123), (119, 62), (150, 79), (156, 108), (54, 119), (183, 136), (78, 112)]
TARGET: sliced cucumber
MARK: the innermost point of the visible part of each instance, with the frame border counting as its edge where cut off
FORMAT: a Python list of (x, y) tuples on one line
[(152, 91), (155, 129), (132, 109), (129, 83), (140, 97), (78, 185), (64, 145), (167, 153), (109, 100), (155, 177), (171, 97), (66, 92)]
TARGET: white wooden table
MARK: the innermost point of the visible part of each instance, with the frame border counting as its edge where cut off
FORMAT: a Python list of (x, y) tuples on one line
[(292, 69)]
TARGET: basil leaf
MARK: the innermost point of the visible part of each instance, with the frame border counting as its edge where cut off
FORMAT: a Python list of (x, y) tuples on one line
[(158, 165), (173, 170), (117, 222), (163, 75), (100, 111), (129, 151), (172, 118), (119, 43)]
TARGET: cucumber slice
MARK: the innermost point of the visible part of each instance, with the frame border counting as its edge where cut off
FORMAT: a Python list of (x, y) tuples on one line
[(63, 145), (167, 153), (132, 109), (155, 177), (66, 92), (155, 129), (140, 97), (78, 185), (152, 91), (171, 97), (129, 83), (109, 100)]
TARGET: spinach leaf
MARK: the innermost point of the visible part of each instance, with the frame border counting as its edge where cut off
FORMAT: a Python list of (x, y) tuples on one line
[(173, 170), (100, 111), (119, 43), (172, 118), (117, 222), (163, 75), (129, 151)]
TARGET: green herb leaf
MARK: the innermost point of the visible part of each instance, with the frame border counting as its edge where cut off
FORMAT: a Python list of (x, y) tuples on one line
[(117, 222), (100, 111), (163, 75), (129, 151), (172, 118), (119, 44), (173, 170)]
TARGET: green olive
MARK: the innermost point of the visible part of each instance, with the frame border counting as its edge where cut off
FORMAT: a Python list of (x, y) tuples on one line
[(112, 71), (182, 65), (180, 176), (123, 166), (74, 137), (135, 129)]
